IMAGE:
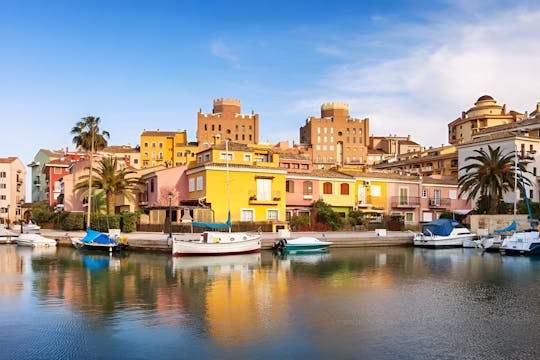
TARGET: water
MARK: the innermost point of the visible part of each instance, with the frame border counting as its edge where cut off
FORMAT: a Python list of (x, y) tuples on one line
[(378, 303)]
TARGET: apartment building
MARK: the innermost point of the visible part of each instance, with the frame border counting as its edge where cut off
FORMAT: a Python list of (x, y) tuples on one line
[(12, 189)]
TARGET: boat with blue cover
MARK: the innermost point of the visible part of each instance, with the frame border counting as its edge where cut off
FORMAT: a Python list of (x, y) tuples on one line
[(95, 240), (443, 233)]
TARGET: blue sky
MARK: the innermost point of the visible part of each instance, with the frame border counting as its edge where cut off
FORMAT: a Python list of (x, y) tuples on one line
[(410, 66)]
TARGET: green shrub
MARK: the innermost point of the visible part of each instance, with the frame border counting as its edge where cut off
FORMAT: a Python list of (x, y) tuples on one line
[(41, 212), (129, 222), (104, 222), (326, 215), (299, 220), (72, 220)]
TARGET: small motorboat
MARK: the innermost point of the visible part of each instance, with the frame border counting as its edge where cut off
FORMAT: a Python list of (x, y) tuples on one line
[(7, 236), (95, 240), (34, 240), (443, 233), (301, 244)]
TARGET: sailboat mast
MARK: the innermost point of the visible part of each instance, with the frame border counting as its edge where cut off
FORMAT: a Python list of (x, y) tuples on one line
[(228, 180), (515, 179), (89, 203)]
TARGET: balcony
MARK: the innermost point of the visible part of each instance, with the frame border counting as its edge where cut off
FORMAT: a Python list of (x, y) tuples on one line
[(526, 156), (273, 200), (427, 168), (437, 203), (401, 202)]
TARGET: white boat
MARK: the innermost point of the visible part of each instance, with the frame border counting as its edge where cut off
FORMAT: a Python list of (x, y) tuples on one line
[(218, 243), (7, 236), (34, 240), (443, 233), (521, 243), (302, 244)]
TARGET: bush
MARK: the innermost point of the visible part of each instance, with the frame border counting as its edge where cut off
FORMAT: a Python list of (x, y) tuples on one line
[(104, 222), (41, 212), (299, 220), (72, 220), (326, 215), (129, 222)]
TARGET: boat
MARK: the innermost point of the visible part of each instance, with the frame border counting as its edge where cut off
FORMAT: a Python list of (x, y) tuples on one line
[(7, 236), (34, 240), (98, 241), (301, 244), (218, 243), (443, 233), (494, 242)]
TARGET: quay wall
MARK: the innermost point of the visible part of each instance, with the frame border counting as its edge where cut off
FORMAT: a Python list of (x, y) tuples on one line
[(158, 241)]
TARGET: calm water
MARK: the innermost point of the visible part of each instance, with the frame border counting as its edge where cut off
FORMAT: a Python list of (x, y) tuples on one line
[(382, 303)]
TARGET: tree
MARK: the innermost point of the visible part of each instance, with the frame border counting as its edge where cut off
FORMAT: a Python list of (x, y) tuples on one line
[(489, 175), (88, 137), (112, 181), (87, 130), (326, 215)]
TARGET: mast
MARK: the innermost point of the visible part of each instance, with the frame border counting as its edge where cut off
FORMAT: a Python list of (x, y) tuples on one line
[(228, 183), (89, 203), (516, 194)]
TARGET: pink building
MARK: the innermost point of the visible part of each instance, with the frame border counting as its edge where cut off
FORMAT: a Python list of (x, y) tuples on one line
[(159, 183), (54, 171), (441, 195), (301, 188)]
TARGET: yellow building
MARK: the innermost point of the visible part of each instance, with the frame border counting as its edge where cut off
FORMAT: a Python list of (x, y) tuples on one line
[(246, 180), (370, 192), (168, 148), (484, 114), (336, 189)]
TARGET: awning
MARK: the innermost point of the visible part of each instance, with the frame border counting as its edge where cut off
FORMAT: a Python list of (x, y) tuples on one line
[(462, 212)]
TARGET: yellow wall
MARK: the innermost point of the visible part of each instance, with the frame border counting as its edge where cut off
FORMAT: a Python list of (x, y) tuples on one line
[(336, 198)]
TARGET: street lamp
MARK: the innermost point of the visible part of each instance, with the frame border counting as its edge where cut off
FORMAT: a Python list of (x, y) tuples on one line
[(8, 206), (169, 196)]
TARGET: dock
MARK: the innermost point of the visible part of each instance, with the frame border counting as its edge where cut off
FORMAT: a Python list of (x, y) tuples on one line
[(145, 241)]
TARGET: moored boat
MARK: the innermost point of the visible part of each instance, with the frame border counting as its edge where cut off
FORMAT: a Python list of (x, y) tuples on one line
[(521, 243), (218, 243), (7, 236), (34, 240), (301, 244), (443, 233), (97, 241)]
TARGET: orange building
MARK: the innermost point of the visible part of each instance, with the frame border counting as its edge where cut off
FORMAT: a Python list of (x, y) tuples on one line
[(335, 138), (227, 121), (484, 114)]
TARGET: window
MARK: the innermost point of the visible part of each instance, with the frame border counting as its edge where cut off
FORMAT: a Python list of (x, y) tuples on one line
[(424, 193), (199, 183), (272, 214), (206, 157), (161, 155), (452, 194), (57, 170), (344, 189), (153, 144), (289, 186), (151, 185), (225, 155), (409, 217), (327, 188), (161, 145), (308, 188), (3, 186), (153, 155), (247, 215), (145, 144), (247, 157), (145, 154), (403, 196), (191, 185), (264, 189)]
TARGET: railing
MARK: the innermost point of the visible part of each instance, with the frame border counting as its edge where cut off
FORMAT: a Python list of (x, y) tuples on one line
[(439, 202), (405, 202)]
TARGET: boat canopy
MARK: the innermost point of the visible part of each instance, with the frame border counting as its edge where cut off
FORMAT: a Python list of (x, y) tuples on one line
[(441, 227), (511, 227), (214, 225), (96, 237)]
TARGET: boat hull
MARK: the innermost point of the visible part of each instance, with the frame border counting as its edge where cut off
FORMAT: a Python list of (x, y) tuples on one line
[(34, 240), (78, 244), (442, 241), (302, 244), (215, 243)]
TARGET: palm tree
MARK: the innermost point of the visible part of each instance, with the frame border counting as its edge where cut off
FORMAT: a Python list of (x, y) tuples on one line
[(87, 137), (490, 174), (112, 181)]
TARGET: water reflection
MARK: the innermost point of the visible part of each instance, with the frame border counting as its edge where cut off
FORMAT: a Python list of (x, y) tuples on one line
[(335, 303)]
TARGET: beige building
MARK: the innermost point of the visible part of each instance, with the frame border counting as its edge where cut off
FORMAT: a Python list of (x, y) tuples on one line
[(166, 148), (484, 114), (391, 146), (336, 138), (12, 189), (227, 122)]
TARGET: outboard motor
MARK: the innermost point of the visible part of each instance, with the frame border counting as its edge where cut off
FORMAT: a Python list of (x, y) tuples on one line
[(279, 245)]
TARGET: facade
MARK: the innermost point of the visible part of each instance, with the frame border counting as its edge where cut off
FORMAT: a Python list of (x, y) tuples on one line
[(390, 147), (39, 183), (246, 180), (435, 162), (335, 138), (12, 189), (53, 172), (167, 148), (160, 183), (438, 196), (227, 122), (484, 114), (125, 154)]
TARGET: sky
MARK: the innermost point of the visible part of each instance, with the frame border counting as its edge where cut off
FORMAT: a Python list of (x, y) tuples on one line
[(410, 66)]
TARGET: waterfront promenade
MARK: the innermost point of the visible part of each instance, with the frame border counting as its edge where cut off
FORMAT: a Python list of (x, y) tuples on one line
[(152, 241)]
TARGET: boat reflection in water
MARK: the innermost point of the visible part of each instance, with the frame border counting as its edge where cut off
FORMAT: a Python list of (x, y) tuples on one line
[(305, 257), (218, 264), (37, 252)]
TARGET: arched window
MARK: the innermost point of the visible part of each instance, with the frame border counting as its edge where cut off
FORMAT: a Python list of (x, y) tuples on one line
[(327, 188), (344, 189)]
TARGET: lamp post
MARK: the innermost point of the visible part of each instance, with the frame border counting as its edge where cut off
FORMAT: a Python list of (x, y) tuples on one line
[(169, 196), (8, 206)]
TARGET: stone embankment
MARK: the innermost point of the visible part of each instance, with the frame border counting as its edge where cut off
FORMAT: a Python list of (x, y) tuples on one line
[(158, 241)]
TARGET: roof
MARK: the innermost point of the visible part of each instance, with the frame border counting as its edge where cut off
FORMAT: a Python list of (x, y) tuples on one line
[(380, 175), (160, 133), (120, 149), (8, 160), (485, 97)]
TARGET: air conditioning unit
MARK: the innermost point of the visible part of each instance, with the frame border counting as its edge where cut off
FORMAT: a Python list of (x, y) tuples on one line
[(367, 183)]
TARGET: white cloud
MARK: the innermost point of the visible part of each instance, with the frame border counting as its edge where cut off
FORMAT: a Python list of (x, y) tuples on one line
[(220, 49), (451, 64)]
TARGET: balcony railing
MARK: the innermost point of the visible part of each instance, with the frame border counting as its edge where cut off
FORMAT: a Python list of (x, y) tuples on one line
[(439, 202), (405, 202)]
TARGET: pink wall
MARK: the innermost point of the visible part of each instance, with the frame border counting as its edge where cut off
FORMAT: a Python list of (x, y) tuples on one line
[(297, 197), (164, 181)]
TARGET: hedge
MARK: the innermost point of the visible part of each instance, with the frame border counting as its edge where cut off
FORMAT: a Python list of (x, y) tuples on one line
[(72, 220), (129, 222)]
